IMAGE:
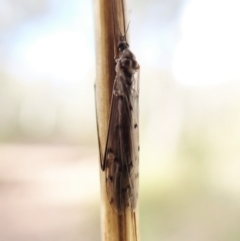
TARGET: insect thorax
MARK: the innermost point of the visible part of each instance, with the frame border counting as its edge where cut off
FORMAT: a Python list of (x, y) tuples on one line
[(126, 64)]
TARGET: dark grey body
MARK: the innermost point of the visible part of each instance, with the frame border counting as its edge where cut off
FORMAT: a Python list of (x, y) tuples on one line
[(121, 158)]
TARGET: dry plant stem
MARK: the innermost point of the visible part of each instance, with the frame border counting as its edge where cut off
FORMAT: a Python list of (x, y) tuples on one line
[(115, 227)]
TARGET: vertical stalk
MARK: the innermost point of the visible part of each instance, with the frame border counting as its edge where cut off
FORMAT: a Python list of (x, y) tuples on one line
[(115, 227)]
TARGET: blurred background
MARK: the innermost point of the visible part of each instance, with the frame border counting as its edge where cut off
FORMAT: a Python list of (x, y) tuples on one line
[(189, 54)]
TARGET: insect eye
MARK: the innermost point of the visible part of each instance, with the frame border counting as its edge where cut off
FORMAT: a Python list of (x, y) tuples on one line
[(122, 45)]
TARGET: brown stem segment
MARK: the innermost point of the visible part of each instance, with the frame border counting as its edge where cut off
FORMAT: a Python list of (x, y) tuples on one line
[(110, 18)]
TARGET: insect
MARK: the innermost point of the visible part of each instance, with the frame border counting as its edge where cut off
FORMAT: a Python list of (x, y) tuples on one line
[(121, 157)]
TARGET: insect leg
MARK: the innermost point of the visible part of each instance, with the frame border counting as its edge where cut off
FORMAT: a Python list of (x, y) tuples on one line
[(103, 157), (102, 162)]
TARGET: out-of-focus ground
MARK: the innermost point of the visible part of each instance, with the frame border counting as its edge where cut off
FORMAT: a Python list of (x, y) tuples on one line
[(48, 192), (51, 192)]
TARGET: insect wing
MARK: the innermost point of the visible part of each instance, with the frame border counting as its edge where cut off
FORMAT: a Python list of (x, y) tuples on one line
[(121, 155)]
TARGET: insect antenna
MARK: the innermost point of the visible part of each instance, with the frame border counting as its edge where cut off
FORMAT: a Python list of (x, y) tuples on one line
[(119, 36)]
